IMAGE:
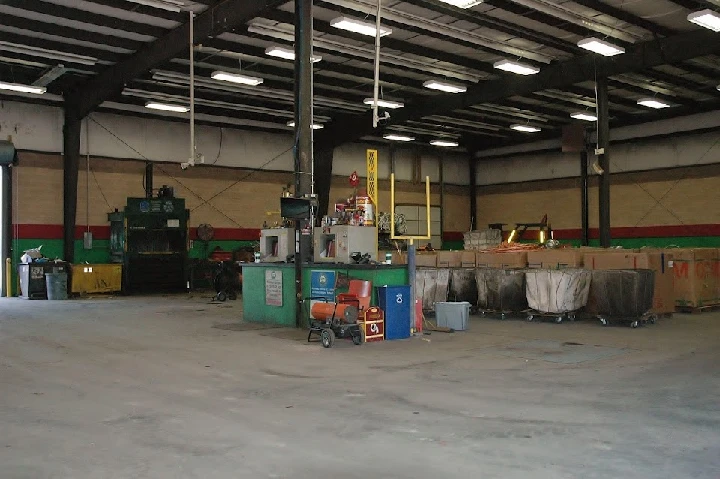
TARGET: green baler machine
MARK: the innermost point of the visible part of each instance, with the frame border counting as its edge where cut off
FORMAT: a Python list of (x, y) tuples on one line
[(152, 244)]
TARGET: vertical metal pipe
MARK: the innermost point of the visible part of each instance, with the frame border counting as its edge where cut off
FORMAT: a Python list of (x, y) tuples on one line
[(376, 83), (303, 136), (192, 88), (441, 168), (6, 240), (472, 171), (149, 179), (412, 273), (87, 173), (71, 162), (604, 160), (584, 206)]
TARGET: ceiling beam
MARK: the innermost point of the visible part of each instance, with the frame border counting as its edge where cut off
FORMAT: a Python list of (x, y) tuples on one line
[(626, 17), (495, 24), (389, 43), (83, 16), (638, 57), (211, 22)]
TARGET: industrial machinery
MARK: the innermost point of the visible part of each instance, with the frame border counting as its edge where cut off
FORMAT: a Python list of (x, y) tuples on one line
[(150, 238), (338, 244), (520, 228), (277, 244), (330, 320)]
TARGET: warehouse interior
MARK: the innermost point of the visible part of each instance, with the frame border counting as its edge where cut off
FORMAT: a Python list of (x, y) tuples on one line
[(352, 238)]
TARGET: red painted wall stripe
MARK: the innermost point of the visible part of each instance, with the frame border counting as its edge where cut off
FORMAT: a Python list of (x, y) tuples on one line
[(27, 231), (30, 231)]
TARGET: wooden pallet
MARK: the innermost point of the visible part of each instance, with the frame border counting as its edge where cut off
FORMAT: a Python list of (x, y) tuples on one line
[(697, 309)]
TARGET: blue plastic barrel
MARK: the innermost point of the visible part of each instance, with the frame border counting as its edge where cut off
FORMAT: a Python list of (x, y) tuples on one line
[(395, 302), (56, 284)]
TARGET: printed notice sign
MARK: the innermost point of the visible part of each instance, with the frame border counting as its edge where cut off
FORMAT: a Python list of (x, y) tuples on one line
[(273, 287)]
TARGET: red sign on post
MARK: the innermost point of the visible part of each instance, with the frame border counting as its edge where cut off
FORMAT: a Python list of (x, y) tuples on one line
[(354, 179), (374, 324)]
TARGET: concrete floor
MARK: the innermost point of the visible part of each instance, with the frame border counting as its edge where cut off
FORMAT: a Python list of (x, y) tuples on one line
[(153, 388)]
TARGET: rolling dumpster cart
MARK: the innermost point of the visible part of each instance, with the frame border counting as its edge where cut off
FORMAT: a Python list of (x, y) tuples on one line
[(557, 294)]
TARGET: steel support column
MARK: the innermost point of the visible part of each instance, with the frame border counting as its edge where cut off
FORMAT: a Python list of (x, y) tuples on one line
[(441, 170), (149, 179), (323, 156), (71, 162), (604, 160), (303, 137), (584, 205), (6, 240), (473, 192)]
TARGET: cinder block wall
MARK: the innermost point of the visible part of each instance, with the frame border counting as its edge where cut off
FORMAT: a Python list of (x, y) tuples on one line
[(234, 201), (659, 208)]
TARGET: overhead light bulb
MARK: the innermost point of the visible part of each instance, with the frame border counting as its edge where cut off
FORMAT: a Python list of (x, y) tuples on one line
[(169, 5), (384, 103), (444, 86), (166, 107), (463, 3), (314, 126), (582, 115), (445, 143), (516, 67), (287, 54), (525, 128), (706, 18), (37, 90), (600, 46), (653, 103), (236, 78), (394, 137), (357, 26)]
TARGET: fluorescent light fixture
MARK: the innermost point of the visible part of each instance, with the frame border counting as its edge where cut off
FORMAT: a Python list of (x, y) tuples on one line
[(37, 90), (653, 103), (357, 26), (45, 53), (314, 126), (236, 78), (516, 67), (600, 46), (444, 86), (463, 3), (287, 54), (166, 107), (525, 128), (445, 143), (384, 103), (169, 5), (394, 137), (583, 115), (706, 18)]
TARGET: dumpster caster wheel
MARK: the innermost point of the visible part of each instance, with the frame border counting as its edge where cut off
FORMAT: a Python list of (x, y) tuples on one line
[(221, 296), (571, 316), (559, 319), (357, 339), (634, 324), (482, 313), (327, 338), (604, 322), (652, 319), (502, 316), (530, 317)]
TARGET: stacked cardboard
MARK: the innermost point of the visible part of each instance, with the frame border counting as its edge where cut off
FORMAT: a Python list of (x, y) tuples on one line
[(424, 259), (556, 258), (696, 277), (449, 259), (659, 261), (515, 259)]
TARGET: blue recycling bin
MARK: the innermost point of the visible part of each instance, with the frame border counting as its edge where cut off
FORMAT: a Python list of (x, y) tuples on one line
[(395, 302)]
